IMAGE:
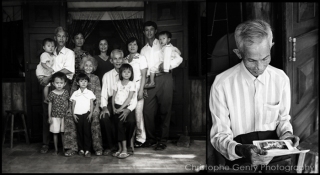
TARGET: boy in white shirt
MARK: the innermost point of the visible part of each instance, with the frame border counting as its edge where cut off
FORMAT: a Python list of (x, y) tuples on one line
[(82, 109)]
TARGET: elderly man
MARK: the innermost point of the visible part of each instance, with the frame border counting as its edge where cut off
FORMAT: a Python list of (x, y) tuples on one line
[(63, 62), (107, 116), (250, 101)]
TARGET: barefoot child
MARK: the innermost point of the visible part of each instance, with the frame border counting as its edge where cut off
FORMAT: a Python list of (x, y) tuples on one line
[(123, 94), (168, 55), (44, 68), (82, 111), (58, 105)]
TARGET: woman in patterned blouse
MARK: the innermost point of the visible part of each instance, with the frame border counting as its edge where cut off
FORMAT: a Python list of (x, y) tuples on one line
[(88, 64), (78, 40)]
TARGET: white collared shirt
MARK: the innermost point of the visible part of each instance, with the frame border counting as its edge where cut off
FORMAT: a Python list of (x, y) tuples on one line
[(138, 63), (172, 54), (152, 54), (123, 92), (108, 81), (241, 103), (64, 60), (82, 100)]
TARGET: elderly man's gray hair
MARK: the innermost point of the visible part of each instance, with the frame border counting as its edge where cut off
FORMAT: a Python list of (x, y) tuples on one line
[(58, 29), (252, 31)]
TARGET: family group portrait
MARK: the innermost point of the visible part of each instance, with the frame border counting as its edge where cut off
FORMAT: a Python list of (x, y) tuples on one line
[(160, 86), (103, 87)]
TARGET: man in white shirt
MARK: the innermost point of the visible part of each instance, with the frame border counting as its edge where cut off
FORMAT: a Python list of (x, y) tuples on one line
[(250, 101), (161, 94), (109, 80), (63, 62)]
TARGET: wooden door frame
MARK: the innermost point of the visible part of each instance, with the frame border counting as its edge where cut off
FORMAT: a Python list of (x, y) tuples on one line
[(287, 17), (27, 31)]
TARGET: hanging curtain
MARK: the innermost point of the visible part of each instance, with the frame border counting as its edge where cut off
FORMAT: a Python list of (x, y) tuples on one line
[(128, 24), (82, 21)]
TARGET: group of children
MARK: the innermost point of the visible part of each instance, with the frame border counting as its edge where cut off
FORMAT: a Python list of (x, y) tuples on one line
[(82, 100)]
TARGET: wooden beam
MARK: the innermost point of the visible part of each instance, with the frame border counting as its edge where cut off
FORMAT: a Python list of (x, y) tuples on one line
[(106, 9)]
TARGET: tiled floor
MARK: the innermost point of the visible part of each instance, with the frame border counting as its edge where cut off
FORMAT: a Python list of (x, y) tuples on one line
[(23, 158)]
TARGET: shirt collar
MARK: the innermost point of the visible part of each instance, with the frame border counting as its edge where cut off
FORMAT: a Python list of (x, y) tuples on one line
[(249, 77), (135, 57), (114, 72), (63, 50), (155, 42), (85, 91)]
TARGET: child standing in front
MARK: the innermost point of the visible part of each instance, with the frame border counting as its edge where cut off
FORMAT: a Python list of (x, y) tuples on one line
[(58, 106), (123, 94), (82, 111), (168, 58), (44, 68)]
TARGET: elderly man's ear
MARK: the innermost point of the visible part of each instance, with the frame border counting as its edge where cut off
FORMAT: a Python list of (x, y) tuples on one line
[(237, 52)]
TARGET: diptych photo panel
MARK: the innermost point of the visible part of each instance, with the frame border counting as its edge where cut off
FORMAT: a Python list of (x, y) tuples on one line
[(263, 104), (101, 86)]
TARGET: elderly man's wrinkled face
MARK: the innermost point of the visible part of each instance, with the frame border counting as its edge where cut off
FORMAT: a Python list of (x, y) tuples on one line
[(257, 57)]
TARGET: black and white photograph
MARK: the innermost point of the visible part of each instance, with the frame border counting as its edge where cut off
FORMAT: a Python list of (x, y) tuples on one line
[(160, 86), (262, 84), (103, 86), (273, 145)]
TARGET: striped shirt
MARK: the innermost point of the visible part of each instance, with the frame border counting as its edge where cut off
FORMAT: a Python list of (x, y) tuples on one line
[(241, 103)]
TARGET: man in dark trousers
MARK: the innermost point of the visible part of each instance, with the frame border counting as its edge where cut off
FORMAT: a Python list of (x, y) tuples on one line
[(159, 97)]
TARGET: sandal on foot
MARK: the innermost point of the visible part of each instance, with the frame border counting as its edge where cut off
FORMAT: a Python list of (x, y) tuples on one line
[(81, 152), (44, 149), (55, 153), (123, 155), (138, 144), (98, 153), (160, 146), (69, 153), (87, 154), (116, 154)]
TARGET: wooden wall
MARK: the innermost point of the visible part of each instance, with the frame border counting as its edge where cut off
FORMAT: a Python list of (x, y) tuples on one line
[(198, 107)]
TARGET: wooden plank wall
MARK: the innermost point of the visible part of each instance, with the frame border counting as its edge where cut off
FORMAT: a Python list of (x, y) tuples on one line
[(198, 107)]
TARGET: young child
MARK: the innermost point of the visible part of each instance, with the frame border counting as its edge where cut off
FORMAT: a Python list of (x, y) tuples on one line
[(58, 105), (168, 53), (123, 94), (44, 68), (82, 111)]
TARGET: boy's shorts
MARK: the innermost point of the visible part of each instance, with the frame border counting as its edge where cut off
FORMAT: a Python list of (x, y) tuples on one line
[(57, 125)]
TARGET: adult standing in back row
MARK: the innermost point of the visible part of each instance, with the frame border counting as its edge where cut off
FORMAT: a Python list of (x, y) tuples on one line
[(104, 63), (63, 62), (161, 94)]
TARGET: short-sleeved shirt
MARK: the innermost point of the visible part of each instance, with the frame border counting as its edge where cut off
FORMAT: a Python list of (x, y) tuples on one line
[(82, 100), (48, 60), (123, 92), (65, 59), (152, 54), (59, 104), (138, 63), (103, 67)]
